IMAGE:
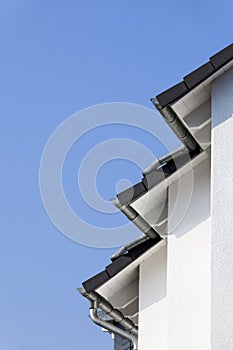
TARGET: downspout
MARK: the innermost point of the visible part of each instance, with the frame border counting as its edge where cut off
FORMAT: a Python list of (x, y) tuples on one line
[(105, 306), (148, 231), (177, 126), (131, 213), (110, 327), (130, 245), (164, 159), (136, 219)]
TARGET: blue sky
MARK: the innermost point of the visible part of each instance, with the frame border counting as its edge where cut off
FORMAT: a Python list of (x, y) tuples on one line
[(58, 57)]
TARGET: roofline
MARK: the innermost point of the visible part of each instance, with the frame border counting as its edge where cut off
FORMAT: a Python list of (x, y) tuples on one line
[(108, 309), (163, 102), (196, 77), (135, 249), (119, 264), (157, 173), (181, 131)]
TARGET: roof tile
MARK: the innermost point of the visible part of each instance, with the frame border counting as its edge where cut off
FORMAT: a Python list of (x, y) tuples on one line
[(118, 264), (198, 75), (222, 57), (95, 281), (172, 94)]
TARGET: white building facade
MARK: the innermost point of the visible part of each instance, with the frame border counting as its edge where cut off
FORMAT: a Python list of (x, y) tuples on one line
[(172, 289)]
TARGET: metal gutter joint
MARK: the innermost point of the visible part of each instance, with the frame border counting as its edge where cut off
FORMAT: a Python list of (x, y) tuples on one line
[(136, 219), (177, 126), (107, 308), (109, 326)]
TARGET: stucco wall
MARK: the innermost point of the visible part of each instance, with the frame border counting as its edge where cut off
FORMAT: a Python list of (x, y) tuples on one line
[(174, 283), (188, 265), (222, 214), (153, 302)]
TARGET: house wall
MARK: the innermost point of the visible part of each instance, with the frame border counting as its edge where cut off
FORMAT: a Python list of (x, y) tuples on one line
[(222, 213), (174, 283), (153, 301), (188, 263), (195, 308)]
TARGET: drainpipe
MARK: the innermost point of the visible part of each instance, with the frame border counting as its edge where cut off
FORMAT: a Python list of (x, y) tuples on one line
[(164, 159), (177, 126), (130, 245), (105, 306), (136, 219), (110, 327), (148, 231)]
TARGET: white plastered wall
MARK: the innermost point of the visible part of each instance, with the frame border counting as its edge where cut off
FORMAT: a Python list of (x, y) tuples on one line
[(153, 301), (222, 214), (174, 283), (188, 264)]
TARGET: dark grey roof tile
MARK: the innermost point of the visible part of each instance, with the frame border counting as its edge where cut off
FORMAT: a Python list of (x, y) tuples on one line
[(96, 281), (196, 77), (118, 265), (222, 57), (138, 250), (199, 75), (172, 94), (131, 193), (153, 178)]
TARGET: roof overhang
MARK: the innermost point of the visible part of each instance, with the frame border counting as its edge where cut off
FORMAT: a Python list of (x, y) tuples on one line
[(189, 102), (121, 290)]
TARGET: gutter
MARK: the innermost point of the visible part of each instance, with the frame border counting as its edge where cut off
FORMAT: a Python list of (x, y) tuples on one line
[(123, 250), (115, 314), (177, 126), (148, 231), (171, 162), (164, 159), (110, 327), (136, 219)]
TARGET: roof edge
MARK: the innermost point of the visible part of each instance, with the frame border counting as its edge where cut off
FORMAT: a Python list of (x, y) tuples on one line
[(196, 77)]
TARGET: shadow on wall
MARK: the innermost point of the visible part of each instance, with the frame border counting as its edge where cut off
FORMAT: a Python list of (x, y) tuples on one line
[(183, 216), (153, 279), (222, 92)]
